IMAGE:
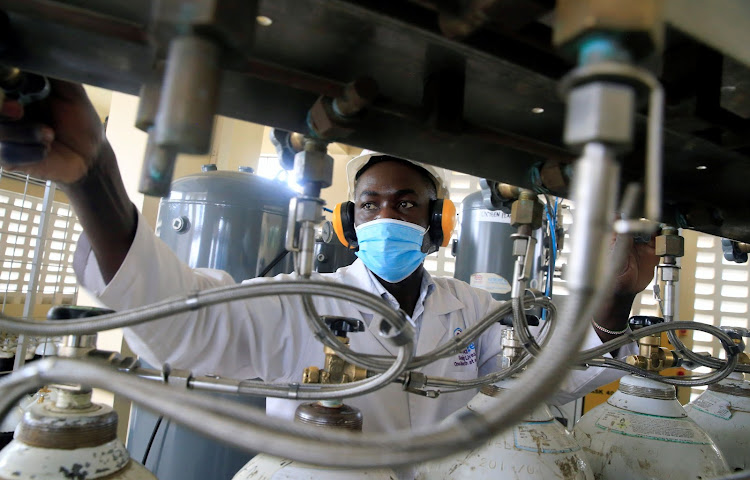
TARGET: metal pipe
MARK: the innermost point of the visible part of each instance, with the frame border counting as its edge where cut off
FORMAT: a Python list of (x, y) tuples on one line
[(157, 170), (36, 264), (307, 249), (654, 167), (596, 181), (668, 305), (189, 95), (296, 391), (193, 301), (187, 105), (707, 379)]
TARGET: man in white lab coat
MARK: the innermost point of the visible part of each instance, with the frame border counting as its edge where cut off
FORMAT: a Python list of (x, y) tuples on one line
[(125, 265)]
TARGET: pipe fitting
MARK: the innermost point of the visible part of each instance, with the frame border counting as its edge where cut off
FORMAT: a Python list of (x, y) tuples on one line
[(398, 334), (527, 210)]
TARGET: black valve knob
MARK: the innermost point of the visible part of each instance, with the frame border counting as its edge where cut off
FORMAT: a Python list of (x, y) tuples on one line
[(640, 321), (532, 320), (71, 312), (340, 326), (732, 251)]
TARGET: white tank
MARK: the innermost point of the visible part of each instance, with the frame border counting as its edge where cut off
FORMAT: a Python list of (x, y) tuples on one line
[(268, 467), (325, 414), (723, 411), (69, 438), (537, 448), (642, 432)]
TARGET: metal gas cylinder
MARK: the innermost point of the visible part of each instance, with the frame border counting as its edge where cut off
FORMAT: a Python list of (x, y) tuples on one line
[(268, 467), (723, 411), (324, 414), (538, 447), (642, 432), (13, 418), (69, 438)]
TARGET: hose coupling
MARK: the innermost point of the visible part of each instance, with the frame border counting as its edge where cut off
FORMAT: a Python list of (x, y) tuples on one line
[(398, 333)]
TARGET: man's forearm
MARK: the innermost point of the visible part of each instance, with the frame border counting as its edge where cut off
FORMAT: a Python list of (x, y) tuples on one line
[(106, 213)]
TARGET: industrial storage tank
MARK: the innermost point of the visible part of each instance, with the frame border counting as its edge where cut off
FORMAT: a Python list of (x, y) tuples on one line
[(484, 250), (232, 221)]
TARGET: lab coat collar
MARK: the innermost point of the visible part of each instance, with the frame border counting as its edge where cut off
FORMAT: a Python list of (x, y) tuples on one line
[(438, 302)]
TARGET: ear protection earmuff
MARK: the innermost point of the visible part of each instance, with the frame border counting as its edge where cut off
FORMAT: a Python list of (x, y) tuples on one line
[(442, 223), (343, 224)]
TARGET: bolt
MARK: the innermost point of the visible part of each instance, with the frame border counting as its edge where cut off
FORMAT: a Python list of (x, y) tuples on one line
[(180, 224)]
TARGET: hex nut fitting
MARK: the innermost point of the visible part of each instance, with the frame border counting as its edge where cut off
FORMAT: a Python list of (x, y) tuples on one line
[(670, 274), (600, 112), (673, 245), (324, 122), (314, 166), (527, 210)]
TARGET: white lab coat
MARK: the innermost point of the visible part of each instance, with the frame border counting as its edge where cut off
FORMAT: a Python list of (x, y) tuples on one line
[(268, 338)]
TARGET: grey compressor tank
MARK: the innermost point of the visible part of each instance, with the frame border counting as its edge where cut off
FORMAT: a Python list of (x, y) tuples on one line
[(484, 250), (232, 221)]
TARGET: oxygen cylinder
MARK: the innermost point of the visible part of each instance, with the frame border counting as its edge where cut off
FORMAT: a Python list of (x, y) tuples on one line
[(324, 414), (538, 447), (642, 432), (723, 411), (69, 438), (13, 418)]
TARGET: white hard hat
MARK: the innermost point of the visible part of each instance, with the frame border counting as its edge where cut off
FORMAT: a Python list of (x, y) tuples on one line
[(359, 162)]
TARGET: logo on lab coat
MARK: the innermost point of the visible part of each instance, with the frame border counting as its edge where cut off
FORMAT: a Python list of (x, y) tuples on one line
[(468, 356)]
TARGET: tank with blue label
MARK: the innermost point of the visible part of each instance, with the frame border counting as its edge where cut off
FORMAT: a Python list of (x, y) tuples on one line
[(484, 250)]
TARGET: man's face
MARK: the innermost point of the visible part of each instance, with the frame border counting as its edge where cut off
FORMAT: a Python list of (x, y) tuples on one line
[(392, 190)]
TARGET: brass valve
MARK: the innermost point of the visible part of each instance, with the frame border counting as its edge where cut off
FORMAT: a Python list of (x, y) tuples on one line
[(651, 355), (336, 369)]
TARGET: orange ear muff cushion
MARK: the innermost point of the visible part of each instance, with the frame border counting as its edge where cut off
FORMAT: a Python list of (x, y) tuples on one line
[(448, 221), (338, 225)]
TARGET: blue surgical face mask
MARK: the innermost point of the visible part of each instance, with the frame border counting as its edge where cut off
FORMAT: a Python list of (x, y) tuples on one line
[(391, 249)]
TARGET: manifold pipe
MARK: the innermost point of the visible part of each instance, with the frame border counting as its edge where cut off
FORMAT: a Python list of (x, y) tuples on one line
[(177, 305), (307, 391), (227, 422), (595, 183), (592, 357)]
